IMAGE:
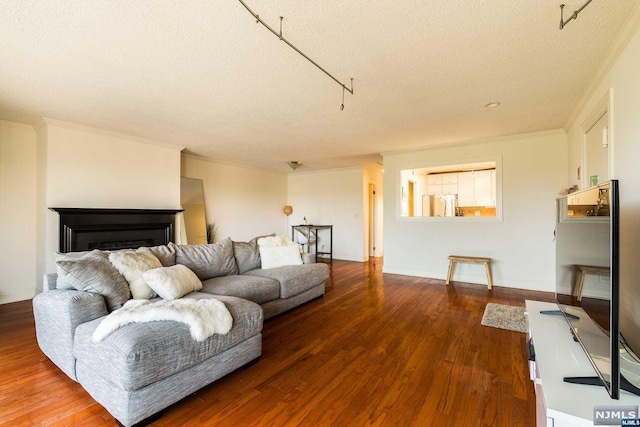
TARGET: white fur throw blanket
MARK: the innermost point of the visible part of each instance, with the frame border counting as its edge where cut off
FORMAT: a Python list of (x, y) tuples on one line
[(204, 317)]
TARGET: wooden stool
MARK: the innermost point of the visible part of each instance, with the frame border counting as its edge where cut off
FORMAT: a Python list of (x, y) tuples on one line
[(581, 272), (472, 260)]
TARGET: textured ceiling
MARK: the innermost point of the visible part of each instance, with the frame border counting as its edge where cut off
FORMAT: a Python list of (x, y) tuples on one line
[(204, 75)]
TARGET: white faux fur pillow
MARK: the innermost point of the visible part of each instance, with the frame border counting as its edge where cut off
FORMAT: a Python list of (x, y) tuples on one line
[(277, 256), (131, 265), (172, 282), (271, 241)]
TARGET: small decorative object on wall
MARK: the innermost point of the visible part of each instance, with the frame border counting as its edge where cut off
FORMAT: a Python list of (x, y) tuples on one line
[(279, 35), (573, 16), (288, 210)]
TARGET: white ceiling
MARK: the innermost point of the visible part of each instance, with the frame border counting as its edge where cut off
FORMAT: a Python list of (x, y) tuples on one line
[(205, 75)]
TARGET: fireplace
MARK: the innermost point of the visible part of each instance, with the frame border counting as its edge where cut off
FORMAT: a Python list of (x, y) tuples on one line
[(112, 229)]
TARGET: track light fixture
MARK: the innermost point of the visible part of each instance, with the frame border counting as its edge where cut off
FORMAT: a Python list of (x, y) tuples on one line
[(281, 37)]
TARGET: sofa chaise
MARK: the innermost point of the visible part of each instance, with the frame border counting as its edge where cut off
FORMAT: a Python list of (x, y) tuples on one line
[(142, 368)]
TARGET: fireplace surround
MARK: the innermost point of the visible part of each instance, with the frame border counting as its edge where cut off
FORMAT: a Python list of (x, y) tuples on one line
[(111, 229)]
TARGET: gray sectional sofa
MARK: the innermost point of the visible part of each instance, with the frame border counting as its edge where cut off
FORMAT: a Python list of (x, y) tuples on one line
[(141, 368)]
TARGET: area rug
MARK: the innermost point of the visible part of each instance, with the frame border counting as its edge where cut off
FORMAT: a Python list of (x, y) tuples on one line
[(505, 317)]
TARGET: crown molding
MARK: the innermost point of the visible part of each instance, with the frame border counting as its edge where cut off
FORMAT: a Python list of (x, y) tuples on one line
[(16, 125), (223, 163), (59, 123), (519, 136), (629, 29)]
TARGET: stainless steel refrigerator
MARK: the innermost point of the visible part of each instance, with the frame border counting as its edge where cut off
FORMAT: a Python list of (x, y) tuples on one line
[(440, 205)]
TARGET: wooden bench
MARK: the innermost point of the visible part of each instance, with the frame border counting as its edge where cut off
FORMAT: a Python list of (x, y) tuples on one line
[(581, 272), (472, 260)]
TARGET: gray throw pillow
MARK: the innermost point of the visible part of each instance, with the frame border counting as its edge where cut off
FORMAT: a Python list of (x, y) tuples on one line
[(166, 255), (96, 274), (207, 261), (247, 254), (62, 281)]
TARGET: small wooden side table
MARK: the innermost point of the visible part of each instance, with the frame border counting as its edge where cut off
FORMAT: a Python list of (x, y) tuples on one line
[(581, 272), (472, 260)]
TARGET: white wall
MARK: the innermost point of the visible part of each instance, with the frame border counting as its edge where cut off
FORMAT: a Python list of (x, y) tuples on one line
[(624, 124), (333, 197), (92, 168), (243, 202), (534, 171), (17, 212)]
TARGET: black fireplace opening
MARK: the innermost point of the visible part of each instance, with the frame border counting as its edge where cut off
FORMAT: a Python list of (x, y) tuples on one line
[(113, 229)]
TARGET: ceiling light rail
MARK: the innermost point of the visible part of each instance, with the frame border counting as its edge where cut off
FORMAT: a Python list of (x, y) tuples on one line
[(279, 35), (573, 16)]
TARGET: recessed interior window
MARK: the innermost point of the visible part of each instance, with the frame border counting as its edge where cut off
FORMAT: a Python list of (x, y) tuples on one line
[(457, 190)]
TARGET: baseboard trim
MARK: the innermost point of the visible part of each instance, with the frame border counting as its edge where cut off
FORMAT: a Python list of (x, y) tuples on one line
[(480, 279), (6, 298)]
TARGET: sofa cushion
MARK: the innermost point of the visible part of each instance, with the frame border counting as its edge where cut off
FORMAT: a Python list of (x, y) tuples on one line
[(166, 254), (139, 354), (295, 279), (207, 261), (131, 265), (94, 273), (253, 288), (172, 282), (247, 254)]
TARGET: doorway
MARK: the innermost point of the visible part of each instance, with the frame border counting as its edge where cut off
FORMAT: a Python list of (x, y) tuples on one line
[(411, 200), (372, 220)]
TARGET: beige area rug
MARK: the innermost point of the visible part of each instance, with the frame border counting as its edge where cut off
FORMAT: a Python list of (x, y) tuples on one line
[(505, 317)]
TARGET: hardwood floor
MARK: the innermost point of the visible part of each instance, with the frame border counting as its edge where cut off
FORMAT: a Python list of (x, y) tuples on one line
[(376, 350)]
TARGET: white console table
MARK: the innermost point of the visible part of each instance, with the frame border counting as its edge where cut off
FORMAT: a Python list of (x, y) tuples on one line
[(561, 404)]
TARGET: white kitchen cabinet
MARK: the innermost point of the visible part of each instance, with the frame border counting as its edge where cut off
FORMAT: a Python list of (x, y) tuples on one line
[(449, 188), (589, 197), (434, 184), (494, 193), (442, 183), (476, 188), (434, 179), (449, 178), (465, 189), (482, 188)]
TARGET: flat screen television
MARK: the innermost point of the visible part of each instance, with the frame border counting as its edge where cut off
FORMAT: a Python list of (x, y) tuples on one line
[(588, 285)]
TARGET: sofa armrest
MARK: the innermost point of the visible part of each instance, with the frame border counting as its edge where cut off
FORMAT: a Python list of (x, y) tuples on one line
[(57, 313), (49, 281)]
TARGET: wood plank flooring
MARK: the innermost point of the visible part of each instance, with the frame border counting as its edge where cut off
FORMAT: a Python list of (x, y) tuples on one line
[(376, 350)]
